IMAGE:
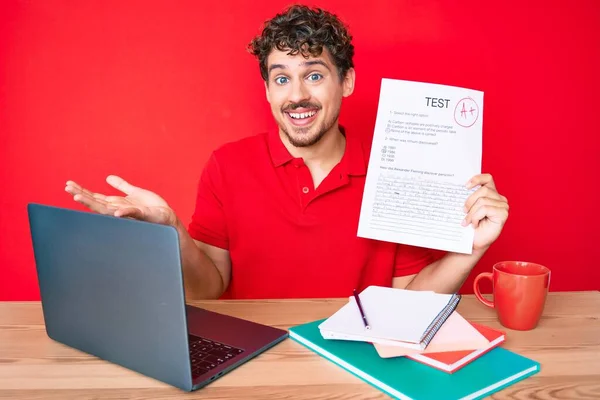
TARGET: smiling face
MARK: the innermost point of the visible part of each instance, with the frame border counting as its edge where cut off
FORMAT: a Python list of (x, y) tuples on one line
[(305, 95)]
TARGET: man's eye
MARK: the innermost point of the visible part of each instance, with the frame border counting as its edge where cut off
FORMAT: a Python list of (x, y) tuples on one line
[(315, 77), (281, 80)]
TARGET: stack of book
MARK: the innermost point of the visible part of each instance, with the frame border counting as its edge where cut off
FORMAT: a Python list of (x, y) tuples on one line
[(414, 344)]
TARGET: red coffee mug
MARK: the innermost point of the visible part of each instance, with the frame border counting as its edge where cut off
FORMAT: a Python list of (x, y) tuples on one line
[(520, 290)]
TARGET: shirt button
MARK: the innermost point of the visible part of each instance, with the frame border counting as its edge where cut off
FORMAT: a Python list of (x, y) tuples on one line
[(304, 190)]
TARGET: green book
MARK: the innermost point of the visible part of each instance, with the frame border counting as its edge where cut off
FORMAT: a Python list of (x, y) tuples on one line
[(403, 378)]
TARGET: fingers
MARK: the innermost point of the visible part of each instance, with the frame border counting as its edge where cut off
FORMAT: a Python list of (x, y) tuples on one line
[(74, 187), (481, 180), (93, 204), (100, 197), (130, 212), (116, 200), (102, 204), (495, 210), (120, 184), (110, 205), (483, 192), (497, 215), (79, 193)]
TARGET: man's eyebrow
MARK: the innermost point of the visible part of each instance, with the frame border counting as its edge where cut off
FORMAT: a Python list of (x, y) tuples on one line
[(304, 64), (315, 62), (275, 66)]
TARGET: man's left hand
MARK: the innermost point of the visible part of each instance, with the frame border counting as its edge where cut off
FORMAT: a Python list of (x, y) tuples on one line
[(486, 209)]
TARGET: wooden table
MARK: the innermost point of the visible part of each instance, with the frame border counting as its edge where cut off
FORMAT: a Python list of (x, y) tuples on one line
[(32, 366)]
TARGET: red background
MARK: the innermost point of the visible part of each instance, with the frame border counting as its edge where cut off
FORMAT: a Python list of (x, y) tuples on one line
[(147, 89)]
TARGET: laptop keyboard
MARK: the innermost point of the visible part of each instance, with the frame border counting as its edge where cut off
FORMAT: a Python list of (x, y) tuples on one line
[(207, 354)]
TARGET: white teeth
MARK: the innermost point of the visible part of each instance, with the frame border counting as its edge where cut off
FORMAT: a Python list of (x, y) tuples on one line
[(302, 115)]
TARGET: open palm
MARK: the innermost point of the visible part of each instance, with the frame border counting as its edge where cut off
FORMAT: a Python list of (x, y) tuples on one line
[(138, 203)]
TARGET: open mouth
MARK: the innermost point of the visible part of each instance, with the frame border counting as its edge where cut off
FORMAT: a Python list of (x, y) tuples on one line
[(301, 118)]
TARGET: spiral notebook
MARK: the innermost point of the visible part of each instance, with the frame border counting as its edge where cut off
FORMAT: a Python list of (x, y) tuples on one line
[(408, 318)]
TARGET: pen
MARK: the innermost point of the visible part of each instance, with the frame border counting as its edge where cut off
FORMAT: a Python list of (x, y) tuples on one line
[(362, 313)]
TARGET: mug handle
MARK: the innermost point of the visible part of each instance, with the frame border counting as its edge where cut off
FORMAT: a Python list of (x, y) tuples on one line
[(478, 294)]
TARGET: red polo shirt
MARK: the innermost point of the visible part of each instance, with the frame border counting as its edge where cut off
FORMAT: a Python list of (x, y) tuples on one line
[(287, 239)]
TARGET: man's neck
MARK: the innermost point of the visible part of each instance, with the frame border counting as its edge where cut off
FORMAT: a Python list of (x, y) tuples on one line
[(321, 157)]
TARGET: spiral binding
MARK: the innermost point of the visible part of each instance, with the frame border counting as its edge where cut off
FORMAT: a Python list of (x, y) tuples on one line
[(439, 320)]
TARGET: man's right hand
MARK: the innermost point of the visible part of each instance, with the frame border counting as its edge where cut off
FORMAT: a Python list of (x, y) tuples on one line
[(139, 203)]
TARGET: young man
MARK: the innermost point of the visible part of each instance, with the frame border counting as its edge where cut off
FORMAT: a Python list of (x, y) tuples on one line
[(277, 214)]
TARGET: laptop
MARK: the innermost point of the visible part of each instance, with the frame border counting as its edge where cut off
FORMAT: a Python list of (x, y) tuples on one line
[(113, 288)]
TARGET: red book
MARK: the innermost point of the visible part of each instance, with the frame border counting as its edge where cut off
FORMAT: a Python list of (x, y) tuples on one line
[(451, 361)]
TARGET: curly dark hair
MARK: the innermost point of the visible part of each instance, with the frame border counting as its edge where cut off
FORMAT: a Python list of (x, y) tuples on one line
[(300, 29)]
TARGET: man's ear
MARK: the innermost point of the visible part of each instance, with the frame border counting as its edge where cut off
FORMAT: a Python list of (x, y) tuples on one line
[(348, 83), (267, 92)]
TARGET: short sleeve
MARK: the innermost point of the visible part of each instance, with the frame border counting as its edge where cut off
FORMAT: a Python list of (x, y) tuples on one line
[(208, 223), (411, 259)]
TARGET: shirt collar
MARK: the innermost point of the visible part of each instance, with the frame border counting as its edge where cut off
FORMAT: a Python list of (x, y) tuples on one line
[(279, 154), (354, 160)]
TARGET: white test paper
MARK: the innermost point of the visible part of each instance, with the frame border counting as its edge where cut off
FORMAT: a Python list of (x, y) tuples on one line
[(426, 146)]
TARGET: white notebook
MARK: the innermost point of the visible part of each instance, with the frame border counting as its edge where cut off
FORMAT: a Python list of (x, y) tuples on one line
[(408, 316)]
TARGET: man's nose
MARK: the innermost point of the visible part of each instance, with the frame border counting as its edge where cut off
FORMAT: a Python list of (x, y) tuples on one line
[(299, 92)]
